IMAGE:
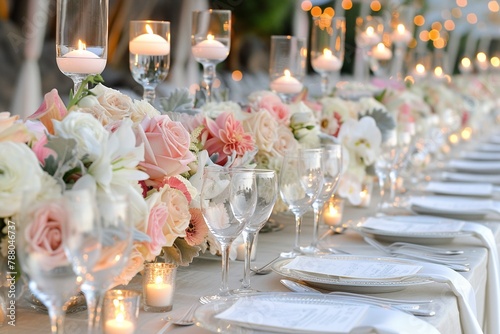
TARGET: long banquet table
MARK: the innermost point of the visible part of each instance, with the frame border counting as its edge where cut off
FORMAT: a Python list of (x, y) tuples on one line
[(202, 277)]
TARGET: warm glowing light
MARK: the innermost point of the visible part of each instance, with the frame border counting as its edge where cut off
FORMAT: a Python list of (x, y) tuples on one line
[(461, 3), (306, 5), (409, 79), (419, 20), (413, 43), (433, 34), (438, 71), (316, 11), (493, 6), (466, 133), (472, 18), (210, 37), (495, 61), (481, 57), (375, 6), (158, 280), (370, 31), (237, 75), (401, 28), (449, 25), (420, 68), (466, 63), (81, 45), (148, 29), (346, 4), (453, 138), (456, 12), (424, 35), (437, 25), (439, 43), (329, 11)]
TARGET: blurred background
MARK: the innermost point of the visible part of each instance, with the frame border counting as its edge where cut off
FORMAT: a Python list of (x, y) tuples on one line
[(458, 28)]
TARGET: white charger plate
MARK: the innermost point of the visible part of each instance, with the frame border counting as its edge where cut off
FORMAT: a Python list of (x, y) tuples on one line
[(451, 206)]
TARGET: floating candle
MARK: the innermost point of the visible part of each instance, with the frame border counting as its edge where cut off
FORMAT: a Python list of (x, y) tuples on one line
[(369, 37), (149, 44), (326, 62), (286, 84), (401, 35), (159, 293), (381, 52), (81, 61), (210, 49)]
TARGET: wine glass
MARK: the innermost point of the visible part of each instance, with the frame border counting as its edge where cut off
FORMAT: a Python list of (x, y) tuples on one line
[(381, 57), (332, 168), (287, 65), (327, 47), (300, 182), (42, 229), (117, 230), (402, 34), (267, 192), (149, 54), (210, 40), (369, 31), (81, 38), (228, 200)]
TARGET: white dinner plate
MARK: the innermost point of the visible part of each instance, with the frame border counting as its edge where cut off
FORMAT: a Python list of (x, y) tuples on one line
[(452, 206), (382, 319), (492, 167), (460, 188), (481, 155), (489, 147), (471, 177), (437, 236), (352, 284)]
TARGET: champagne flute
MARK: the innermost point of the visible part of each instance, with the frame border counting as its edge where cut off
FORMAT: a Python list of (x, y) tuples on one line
[(149, 54), (300, 181), (117, 229), (327, 48), (210, 40), (228, 200), (332, 168), (267, 192), (42, 253), (81, 38)]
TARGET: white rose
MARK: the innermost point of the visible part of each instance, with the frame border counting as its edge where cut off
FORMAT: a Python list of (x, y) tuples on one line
[(116, 103), (20, 171), (178, 214), (88, 132), (285, 142), (143, 108), (263, 128), (214, 109)]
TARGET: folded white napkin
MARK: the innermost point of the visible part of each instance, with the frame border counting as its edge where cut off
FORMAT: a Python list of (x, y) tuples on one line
[(462, 290), (492, 307)]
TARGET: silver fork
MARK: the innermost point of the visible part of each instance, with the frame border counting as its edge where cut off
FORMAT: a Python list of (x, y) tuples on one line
[(187, 319)]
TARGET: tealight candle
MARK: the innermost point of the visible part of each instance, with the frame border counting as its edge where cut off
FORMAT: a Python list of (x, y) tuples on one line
[(286, 84), (332, 216), (381, 52), (401, 34), (369, 37), (119, 326), (81, 61), (465, 65), (149, 44), (159, 293), (210, 49), (365, 197), (326, 62)]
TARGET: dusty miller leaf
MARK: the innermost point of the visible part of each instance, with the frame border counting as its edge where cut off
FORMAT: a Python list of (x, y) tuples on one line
[(65, 162), (178, 100), (181, 253), (385, 122)]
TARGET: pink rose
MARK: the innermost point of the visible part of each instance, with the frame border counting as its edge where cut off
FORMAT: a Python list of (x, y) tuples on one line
[(157, 218), (41, 151), (166, 145), (52, 108), (225, 136), (45, 234), (11, 130)]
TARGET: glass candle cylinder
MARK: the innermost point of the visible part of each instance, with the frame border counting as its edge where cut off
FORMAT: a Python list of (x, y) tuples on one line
[(332, 212), (159, 286), (120, 311)]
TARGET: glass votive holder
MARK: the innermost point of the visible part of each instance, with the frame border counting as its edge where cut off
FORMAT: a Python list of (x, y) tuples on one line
[(332, 212), (120, 311), (158, 286), (366, 194)]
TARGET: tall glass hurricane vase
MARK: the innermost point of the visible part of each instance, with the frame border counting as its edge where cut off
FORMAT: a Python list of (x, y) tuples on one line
[(211, 41), (149, 54), (228, 200), (42, 233), (267, 192), (300, 181), (327, 48), (81, 38), (117, 229)]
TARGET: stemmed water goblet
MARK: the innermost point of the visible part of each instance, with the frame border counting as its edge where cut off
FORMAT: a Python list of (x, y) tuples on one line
[(267, 192), (228, 200), (300, 182), (43, 250), (369, 31), (287, 65), (327, 48), (149, 54), (332, 169), (116, 244), (210, 40), (81, 38)]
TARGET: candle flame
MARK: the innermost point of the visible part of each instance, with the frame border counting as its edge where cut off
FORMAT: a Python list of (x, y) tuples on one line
[(370, 31), (327, 52), (149, 29), (210, 37), (420, 68), (481, 56), (401, 28), (332, 209), (158, 279), (287, 73), (380, 46), (466, 62), (81, 45), (438, 71), (120, 317), (495, 61)]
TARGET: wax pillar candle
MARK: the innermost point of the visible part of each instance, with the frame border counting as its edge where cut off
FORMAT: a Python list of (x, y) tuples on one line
[(159, 293)]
